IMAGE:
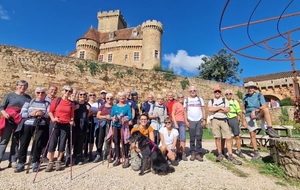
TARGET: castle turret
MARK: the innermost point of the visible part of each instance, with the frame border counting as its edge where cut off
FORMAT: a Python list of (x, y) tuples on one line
[(111, 21), (151, 45), (88, 46)]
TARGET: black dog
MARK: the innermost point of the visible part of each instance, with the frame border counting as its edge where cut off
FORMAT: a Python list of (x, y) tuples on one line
[(150, 150)]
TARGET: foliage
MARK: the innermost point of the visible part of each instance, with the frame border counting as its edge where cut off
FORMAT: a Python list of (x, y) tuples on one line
[(93, 66), (80, 66), (284, 116), (240, 95), (169, 76), (184, 84), (157, 68), (220, 67), (104, 66), (119, 75), (129, 71), (286, 102)]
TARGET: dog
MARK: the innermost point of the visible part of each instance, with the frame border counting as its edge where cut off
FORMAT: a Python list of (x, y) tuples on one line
[(149, 150)]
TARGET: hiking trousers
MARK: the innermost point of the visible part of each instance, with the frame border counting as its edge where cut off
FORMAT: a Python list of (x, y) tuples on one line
[(4, 139), (196, 132)]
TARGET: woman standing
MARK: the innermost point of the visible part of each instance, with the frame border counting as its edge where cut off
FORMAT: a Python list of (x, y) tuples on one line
[(178, 117), (103, 125), (36, 117), (81, 125), (61, 114), (121, 115)]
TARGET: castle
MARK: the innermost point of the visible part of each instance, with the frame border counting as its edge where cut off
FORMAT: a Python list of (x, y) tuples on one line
[(113, 42)]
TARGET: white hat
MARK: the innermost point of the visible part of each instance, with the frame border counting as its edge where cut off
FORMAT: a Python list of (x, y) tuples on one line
[(103, 91), (250, 84)]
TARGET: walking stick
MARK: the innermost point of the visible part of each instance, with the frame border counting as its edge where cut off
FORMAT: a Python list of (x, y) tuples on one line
[(71, 161), (122, 143), (36, 122), (110, 147), (45, 151)]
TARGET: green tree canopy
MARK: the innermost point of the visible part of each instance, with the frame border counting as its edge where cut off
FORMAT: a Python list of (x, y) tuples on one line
[(221, 67)]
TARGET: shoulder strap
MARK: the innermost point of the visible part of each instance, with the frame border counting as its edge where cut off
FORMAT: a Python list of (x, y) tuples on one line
[(258, 98), (31, 102), (223, 101), (57, 102), (212, 102)]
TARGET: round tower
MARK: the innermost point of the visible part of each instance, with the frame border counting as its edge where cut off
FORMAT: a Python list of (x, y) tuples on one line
[(87, 49), (151, 46)]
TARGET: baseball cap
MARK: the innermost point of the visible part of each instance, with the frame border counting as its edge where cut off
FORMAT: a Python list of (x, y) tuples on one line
[(134, 93), (217, 88), (103, 92)]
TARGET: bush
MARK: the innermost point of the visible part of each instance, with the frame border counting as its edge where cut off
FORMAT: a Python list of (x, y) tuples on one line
[(80, 66), (93, 66), (184, 83), (240, 95), (284, 117), (286, 102)]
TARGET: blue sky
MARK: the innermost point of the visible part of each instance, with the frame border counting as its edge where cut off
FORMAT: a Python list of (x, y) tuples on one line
[(191, 28)]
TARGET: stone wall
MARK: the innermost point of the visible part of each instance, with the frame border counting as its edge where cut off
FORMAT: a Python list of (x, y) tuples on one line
[(286, 152), (276, 112)]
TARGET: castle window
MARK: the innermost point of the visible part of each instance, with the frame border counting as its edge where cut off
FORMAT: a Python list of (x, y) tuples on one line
[(111, 35), (81, 54), (134, 32), (126, 57), (156, 54), (100, 59), (109, 57), (136, 56)]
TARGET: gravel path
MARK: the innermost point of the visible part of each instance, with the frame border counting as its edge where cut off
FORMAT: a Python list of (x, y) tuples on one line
[(188, 175)]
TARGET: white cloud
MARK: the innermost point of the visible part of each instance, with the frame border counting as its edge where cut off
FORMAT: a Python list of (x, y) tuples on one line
[(3, 14), (182, 62)]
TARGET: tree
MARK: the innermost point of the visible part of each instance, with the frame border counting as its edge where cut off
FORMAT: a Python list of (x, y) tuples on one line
[(221, 67)]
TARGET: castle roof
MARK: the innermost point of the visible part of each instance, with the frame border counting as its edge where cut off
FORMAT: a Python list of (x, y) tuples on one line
[(123, 34), (273, 76)]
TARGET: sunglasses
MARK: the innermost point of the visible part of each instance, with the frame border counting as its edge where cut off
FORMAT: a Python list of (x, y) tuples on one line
[(40, 92), (181, 97), (82, 94), (192, 90), (92, 95), (217, 91), (69, 91), (108, 98), (143, 119), (168, 122), (228, 94)]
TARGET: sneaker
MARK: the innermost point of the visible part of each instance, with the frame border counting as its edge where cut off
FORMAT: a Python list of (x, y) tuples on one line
[(234, 161), (255, 156), (91, 157), (45, 160), (97, 159), (19, 168), (199, 158), (35, 167), (271, 132), (58, 166), (126, 163), (220, 158), (174, 163), (193, 156), (117, 162), (49, 167), (240, 154), (184, 158)]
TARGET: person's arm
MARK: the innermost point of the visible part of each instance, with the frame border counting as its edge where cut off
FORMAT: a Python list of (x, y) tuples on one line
[(151, 136), (24, 111), (162, 139)]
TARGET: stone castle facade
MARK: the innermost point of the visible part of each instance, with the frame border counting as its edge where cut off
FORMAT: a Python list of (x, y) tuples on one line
[(113, 42)]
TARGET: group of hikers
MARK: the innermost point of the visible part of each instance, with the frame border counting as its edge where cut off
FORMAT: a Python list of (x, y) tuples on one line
[(71, 122)]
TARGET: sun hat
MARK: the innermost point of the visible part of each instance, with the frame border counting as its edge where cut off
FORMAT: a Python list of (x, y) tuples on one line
[(250, 84)]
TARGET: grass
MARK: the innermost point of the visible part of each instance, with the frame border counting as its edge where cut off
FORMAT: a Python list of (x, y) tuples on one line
[(207, 134)]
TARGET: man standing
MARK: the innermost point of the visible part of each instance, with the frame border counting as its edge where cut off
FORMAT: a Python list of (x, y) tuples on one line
[(256, 108), (195, 115), (220, 107), (51, 93), (101, 100), (169, 103), (10, 108), (234, 116)]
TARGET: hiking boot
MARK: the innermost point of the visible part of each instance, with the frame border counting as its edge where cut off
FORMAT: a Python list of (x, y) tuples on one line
[(220, 158), (184, 158), (234, 161), (58, 166), (117, 162), (126, 163), (271, 132), (193, 156), (174, 163), (19, 168), (240, 154), (97, 159), (49, 167), (91, 157), (255, 156), (199, 158), (35, 166), (45, 160)]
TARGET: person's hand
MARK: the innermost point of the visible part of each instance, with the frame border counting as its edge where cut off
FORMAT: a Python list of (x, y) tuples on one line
[(107, 117), (187, 125), (244, 124), (5, 114), (114, 119), (253, 115), (56, 119), (39, 113), (72, 123), (203, 123), (176, 125), (137, 150)]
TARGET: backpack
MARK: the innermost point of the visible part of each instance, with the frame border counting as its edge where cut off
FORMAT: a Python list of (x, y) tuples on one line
[(223, 102), (45, 102), (187, 101), (247, 96)]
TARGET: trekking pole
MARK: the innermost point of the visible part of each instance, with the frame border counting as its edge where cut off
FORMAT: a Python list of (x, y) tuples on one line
[(45, 151), (122, 143), (71, 160), (110, 147), (37, 122)]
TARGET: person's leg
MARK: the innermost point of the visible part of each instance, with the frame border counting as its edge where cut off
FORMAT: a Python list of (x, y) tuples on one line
[(182, 139), (117, 137), (24, 143), (42, 134), (265, 114), (51, 149), (192, 132), (4, 139)]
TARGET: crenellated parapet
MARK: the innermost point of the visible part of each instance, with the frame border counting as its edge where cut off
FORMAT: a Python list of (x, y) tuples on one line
[(154, 24), (112, 14)]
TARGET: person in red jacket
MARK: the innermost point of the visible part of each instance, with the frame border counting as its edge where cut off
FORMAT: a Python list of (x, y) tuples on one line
[(61, 114)]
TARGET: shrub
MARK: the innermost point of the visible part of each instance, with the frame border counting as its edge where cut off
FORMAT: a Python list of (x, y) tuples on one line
[(184, 83), (157, 68), (286, 102), (80, 66), (240, 95), (284, 117), (169, 76), (129, 72), (93, 66)]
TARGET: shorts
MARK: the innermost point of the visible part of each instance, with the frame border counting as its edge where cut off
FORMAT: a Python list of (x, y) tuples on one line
[(181, 131), (252, 124), (234, 125), (221, 126)]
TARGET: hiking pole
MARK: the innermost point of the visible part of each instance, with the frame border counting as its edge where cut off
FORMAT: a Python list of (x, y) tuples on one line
[(45, 151), (71, 161), (110, 147), (36, 122)]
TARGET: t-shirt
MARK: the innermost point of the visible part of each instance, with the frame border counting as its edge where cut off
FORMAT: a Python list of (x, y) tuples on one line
[(194, 111), (120, 111), (94, 108), (168, 138), (144, 131), (169, 105), (64, 110), (219, 103), (179, 111), (105, 110), (253, 102)]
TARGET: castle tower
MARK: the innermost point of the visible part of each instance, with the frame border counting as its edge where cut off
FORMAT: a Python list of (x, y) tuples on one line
[(151, 45), (111, 21), (88, 46)]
